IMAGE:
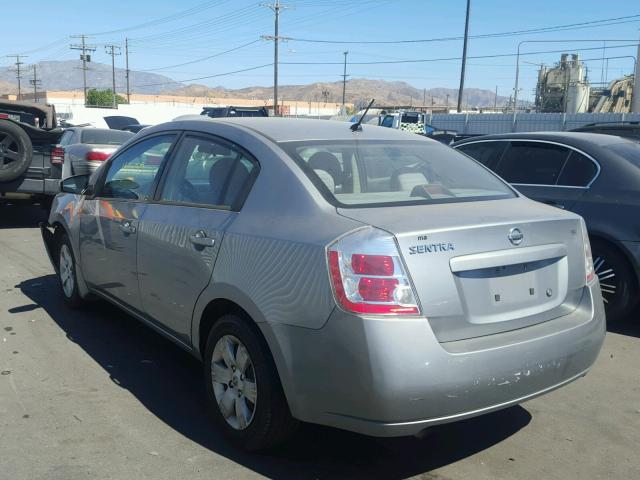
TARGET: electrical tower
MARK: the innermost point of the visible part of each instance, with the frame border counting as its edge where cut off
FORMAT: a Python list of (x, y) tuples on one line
[(18, 63), (276, 7), (113, 50), (344, 83), (35, 81), (85, 57)]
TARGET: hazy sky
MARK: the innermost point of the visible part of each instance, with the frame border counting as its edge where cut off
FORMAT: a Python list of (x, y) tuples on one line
[(167, 33)]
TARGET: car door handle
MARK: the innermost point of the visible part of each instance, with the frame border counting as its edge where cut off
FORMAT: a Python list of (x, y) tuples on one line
[(201, 239), (127, 227)]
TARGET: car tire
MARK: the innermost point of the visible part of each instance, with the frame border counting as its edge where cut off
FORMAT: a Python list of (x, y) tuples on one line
[(241, 379), (66, 269), (16, 151), (617, 281)]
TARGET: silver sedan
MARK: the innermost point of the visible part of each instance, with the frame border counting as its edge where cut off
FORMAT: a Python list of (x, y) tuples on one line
[(367, 279)]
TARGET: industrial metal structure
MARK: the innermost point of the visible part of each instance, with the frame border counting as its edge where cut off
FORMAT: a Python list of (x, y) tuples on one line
[(563, 88)]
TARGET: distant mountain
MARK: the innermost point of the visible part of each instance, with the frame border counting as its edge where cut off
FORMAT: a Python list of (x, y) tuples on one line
[(359, 91), (67, 75)]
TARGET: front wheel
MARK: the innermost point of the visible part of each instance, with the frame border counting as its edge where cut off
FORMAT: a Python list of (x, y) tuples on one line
[(244, 394), (617, 282), (67, 273)]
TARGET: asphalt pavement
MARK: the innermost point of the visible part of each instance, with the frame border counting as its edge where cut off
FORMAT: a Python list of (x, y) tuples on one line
[(93, 394)]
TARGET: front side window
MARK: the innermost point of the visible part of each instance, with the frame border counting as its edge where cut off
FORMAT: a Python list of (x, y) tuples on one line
[(207, 172), (532, 163), (132, 174), (379, 172)]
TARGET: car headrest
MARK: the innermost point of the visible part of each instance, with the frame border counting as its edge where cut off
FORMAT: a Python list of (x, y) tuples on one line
[(326, 178), (329, 163), (404, 180)]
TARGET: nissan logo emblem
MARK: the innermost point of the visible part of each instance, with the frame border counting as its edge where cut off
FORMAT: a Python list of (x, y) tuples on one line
[(515, 236)]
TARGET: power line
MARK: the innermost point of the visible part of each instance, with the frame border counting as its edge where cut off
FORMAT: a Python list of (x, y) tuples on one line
[(571, 26), (18, 63), (209, 57), (428, 60)]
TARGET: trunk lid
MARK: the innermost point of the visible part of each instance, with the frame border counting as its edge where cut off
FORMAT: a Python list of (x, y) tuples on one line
[(486, 267)]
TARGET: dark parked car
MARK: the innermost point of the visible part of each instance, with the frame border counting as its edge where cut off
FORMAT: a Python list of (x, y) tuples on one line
[(629, 130), (223, 112), (596, 176)]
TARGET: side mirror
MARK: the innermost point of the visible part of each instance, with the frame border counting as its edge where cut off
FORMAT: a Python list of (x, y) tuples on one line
[(78, 184)]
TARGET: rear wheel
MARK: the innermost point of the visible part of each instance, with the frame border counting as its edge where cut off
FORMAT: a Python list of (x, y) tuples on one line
[(617, 282), (244, 394)]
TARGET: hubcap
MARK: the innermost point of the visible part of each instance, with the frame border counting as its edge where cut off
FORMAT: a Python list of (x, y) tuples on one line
[(234, 382), (608, 280), (66, 270), (8, 150)]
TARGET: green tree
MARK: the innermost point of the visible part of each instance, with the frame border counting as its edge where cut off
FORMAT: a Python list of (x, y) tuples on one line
[(102, 98)]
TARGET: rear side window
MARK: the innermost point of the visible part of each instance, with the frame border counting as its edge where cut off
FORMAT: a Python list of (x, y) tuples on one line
[(532, 163), (578, 171), (487, 153), (206, 171), (381, 172), (94, 136)]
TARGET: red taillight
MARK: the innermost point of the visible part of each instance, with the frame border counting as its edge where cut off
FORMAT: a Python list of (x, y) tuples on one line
[(4, 116), (57, 156), (588, 259), (97, 155), (377, 289), (372, 264), (370, 284)]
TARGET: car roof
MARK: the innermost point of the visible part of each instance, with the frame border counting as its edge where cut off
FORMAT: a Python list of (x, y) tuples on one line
[(280, 129), (576, 139)]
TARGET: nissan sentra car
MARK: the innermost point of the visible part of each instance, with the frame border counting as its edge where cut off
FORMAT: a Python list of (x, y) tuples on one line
[(352, 276)]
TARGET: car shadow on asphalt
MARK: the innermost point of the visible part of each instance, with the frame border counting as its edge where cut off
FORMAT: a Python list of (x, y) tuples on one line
[(21, 215), (167, 381)]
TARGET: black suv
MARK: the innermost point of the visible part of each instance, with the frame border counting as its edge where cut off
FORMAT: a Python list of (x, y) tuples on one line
[(29, 166)]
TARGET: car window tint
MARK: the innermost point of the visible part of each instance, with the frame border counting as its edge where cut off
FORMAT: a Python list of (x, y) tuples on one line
[(207, 172), (133, 172), (578, 171), (532, 163), (487, 153)]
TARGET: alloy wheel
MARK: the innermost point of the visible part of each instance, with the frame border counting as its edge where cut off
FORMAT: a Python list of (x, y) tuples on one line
[(234, 382), (9, 150), (608, 281)]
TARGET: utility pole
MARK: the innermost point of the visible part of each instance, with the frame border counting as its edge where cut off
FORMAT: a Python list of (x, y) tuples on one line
[(18, 73), (126, 57), (635, 95), (464, 57), (495, 99), (85, 57), (276, 7), (424, 96), (35, 81), (113, 50), (344, 82)]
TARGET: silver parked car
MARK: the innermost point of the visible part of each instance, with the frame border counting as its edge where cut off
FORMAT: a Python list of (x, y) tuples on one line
[(82, 150), (371, 280)]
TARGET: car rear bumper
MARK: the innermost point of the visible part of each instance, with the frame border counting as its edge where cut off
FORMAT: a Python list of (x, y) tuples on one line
[(391, 377)]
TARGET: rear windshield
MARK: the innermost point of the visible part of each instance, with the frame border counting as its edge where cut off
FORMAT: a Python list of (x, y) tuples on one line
[(104, 137), (629, 151), (377, 172)]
